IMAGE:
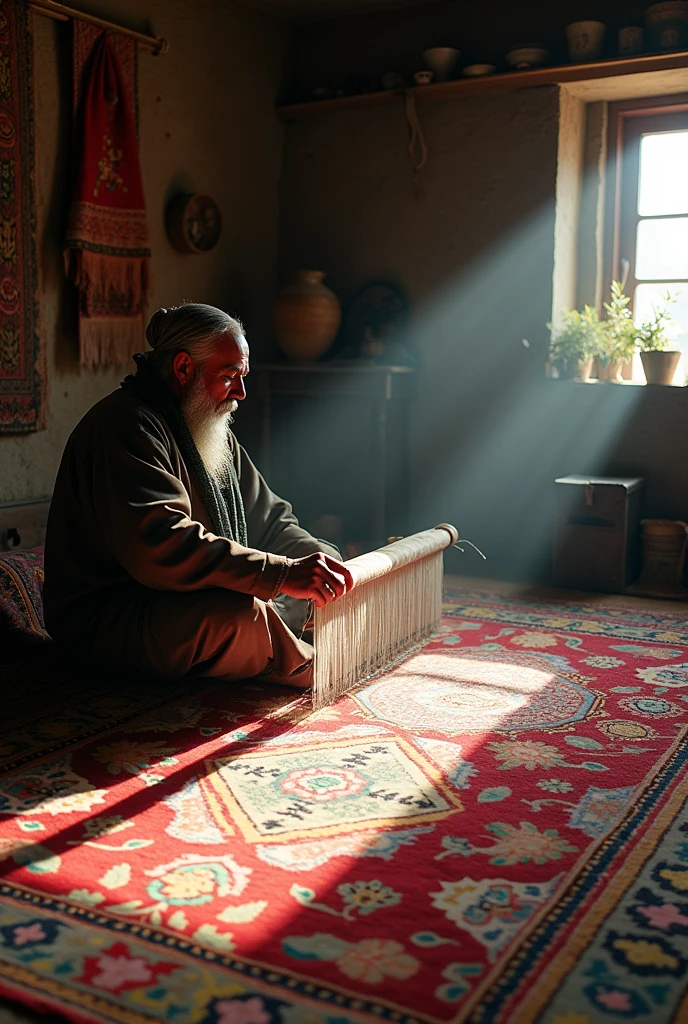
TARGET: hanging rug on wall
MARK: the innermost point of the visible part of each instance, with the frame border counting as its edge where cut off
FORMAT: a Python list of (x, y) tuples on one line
[(22, 356), (493, 831)]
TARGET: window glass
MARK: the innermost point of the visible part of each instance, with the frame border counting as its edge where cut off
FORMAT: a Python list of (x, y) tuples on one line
[(662, 249), (663, 174)]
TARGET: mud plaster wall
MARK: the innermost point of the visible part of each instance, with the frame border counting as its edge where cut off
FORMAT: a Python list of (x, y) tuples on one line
[(568, 201), (468, 250), (206, 124), (591, 271), (476, 252)]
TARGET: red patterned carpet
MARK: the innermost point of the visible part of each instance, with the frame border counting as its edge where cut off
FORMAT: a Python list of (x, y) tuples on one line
[(494, 831)]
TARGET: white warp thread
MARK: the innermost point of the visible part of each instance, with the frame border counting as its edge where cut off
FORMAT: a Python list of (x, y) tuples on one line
[(394, 604)]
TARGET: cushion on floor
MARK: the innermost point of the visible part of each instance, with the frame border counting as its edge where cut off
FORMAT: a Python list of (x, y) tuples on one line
[(21, 596)]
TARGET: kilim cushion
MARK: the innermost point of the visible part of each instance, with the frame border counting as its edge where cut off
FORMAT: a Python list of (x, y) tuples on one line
[(21, 596)]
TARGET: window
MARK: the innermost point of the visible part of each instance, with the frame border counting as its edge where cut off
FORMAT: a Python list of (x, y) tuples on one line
[(650, 247)]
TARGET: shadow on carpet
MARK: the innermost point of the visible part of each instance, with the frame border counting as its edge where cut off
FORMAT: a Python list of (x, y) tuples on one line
[(493, 831)]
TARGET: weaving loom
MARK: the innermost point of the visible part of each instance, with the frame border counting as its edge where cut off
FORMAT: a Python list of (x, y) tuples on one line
[(395, 603)]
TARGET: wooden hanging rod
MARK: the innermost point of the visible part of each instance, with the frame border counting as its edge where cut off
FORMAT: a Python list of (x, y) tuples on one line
[(60, 12)]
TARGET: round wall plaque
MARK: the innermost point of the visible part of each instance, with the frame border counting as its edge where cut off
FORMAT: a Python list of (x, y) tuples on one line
[(194, 223)]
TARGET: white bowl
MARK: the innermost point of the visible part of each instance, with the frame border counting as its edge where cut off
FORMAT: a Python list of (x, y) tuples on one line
[(527, 57), (475, 70), (442, 60)]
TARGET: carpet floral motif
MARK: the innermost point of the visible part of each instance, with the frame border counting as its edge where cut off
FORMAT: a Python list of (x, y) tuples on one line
[(447, 690), (492, 832), (490, 910)]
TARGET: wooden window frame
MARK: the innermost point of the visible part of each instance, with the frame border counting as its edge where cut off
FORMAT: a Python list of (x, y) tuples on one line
[(628, 120)]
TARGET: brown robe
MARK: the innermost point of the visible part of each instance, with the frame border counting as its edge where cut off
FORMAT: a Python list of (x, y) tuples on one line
[(134, 578)]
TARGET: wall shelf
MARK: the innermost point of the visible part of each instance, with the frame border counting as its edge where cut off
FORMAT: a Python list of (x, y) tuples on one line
[(507, 81)]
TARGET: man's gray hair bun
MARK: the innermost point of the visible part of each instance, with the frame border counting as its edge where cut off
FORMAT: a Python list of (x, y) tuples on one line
[(154, 330), (190, 328)]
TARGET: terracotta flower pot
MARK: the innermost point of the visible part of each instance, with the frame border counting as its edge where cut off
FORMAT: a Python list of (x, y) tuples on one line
[(664, 552), (660, 367), (575, 369), (611, 371), (306, 316)]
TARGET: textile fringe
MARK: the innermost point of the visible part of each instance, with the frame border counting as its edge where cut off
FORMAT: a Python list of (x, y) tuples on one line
[(393, 606), (102, 278), (109, 340)]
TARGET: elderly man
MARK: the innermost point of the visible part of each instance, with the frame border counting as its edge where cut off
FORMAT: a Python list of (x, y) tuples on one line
[(166, 550)]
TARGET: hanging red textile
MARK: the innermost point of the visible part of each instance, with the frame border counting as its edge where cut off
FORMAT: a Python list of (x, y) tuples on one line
[(107, 253)]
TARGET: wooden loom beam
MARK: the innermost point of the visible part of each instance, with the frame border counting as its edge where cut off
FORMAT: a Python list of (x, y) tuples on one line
[(393, 606)]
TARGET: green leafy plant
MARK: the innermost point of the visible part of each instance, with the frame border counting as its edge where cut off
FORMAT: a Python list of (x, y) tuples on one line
[(619, 333), (576, 337), (621, 336), (653, 334)]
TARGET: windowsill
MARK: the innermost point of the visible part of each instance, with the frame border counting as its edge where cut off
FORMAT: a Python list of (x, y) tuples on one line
[(616, 383)]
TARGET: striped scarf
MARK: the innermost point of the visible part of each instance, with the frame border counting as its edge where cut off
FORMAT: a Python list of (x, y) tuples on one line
[(224, 504)]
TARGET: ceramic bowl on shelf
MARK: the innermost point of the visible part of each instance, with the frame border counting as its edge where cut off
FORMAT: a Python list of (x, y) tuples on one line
[(477, 70), (521, 57), (630, 41), (423, 77), (667, 25), (585, 40), (442, 60)]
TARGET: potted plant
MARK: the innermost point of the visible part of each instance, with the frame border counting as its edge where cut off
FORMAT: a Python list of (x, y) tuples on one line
[(575, 343), (659, 361), (618, 334)]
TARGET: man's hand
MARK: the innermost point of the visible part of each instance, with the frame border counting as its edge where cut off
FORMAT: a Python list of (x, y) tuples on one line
[(318, 578)]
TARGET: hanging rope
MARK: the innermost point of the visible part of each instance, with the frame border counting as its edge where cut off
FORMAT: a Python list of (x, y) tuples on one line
[(417, 148)]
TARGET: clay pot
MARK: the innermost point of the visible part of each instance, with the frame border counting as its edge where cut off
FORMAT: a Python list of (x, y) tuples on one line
[(630, 41), (585, 40), (611, 371), (306, 316), (441, 60), (660, 367), (575, 369), (664, 552), (667, 25)]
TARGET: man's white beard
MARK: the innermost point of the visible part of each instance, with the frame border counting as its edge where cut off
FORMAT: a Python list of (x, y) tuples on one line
[(208, 424)]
